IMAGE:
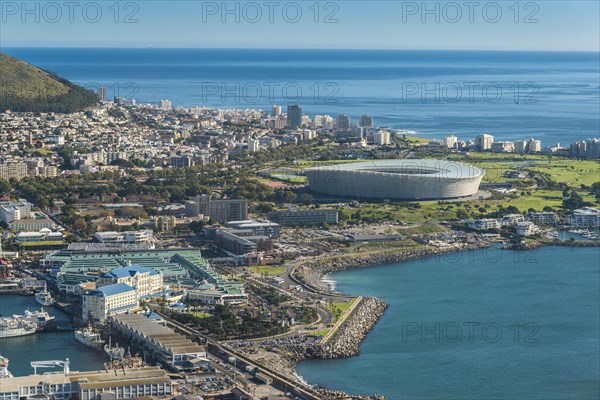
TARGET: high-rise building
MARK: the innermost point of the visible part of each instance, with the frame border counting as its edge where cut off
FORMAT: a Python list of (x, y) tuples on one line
[(102, 93), (382, 138), (275, 111), (503, 147), (342, 122), (217, 210), (450, 141), (589, 148), (528, 146), (165, 104), (294, 116), (13, 170), (253, 145), (484, 142), (365, 120), (520, 146), (534, 146)]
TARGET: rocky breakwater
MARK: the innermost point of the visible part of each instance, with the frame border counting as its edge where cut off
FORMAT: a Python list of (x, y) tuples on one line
[(346, 340), (310, 273)]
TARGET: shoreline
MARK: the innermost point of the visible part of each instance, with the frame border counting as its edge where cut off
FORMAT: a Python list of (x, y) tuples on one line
[(348, 337), (313, 272)]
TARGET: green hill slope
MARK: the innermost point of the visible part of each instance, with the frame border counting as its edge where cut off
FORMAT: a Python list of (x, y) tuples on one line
[(24, 87)]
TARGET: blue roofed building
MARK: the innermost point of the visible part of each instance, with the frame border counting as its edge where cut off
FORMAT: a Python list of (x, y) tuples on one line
[(146, 281), (108, 300)]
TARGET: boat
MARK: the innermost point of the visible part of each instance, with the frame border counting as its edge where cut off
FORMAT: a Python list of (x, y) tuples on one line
[(128, 361), (114, 352), (44, 297), (4, 372), (89, 337), (13, 327), (41, 318)]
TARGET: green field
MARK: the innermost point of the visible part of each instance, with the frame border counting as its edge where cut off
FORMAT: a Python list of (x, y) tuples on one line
[(317, 163), (338, 309), (43, 244), (434, 212), (267, 270)]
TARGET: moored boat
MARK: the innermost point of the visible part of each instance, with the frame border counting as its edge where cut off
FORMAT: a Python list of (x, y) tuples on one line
[(13, 327), (114, 352), (41, 318), (44, 297), (89, 337), (4, 372)]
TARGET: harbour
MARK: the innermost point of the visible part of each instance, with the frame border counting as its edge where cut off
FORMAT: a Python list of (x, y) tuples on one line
[(48, 345)]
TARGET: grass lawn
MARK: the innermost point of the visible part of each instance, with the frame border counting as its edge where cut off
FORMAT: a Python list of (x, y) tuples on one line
[(573, 172), (42, 244), (339, 309), (317, 163), (43, 151), (267, 270)]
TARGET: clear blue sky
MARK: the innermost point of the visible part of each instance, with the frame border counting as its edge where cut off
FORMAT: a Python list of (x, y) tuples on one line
[(483, 25)]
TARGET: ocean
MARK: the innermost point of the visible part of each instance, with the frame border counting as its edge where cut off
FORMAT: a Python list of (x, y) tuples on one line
[(42, 346), (552, 96), (486, 324)]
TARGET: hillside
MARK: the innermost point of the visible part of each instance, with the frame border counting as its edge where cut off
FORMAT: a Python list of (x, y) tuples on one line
[(24, 87)]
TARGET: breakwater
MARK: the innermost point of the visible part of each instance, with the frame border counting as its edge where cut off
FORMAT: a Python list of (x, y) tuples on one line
[(346, 340), (312, 272), (560, 243)]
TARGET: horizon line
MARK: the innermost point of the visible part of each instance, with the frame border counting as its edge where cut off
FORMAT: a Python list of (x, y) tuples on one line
[(301, 49)]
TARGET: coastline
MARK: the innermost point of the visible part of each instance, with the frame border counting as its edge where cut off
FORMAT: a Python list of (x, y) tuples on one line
[(349, 335), (346, 341), (311, 273)]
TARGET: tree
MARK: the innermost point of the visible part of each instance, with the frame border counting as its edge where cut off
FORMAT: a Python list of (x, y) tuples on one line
[(5, 187), (574, 201), (79, 224), (197, 226), (306, 198), (462, 215)]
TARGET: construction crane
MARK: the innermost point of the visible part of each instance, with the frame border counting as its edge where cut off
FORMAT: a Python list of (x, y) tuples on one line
[(51, 364)]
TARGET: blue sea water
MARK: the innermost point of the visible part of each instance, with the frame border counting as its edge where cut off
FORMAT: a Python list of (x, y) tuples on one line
[(489, 324), (44, 345), (554, 96)]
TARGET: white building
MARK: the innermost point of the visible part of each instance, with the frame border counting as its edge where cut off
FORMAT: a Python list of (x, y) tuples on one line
[(382, 138), (584, 217), (526, 228), (165, 104), (451, 141), (133, 383), (145, 281), (503, 147), (484, 224), (253, 145), (512, 219), (14, 210), (484, 142), (129, 237), (108, 300), (543, 218)]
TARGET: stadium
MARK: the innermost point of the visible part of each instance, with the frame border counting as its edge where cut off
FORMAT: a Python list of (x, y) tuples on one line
[(396, 180)]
